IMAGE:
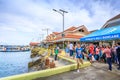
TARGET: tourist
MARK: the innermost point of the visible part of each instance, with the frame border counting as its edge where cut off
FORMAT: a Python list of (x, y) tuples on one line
[(71, 47), (91, 53), (87, 49), (52, 64), (56, 53), (74, 51), (107, 52), (100, 54), (118, 54), (83, 47), (103, 55), (86, 52), (79, 56), (97, 53), (113, 54), (91, 49), (67, 50)]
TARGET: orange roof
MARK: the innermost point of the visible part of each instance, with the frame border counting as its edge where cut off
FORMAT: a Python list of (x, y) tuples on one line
[(73, 36), (56, 33), (58, 38), (69, 36), (34, 43), (71, 29)]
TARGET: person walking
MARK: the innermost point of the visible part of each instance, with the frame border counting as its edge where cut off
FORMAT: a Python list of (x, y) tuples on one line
[(71, 47), (115, 53), (67, 50), (97, 51), (107, 52), (91, 53), (79, 56), (118, 54), (56, 52), (100, 54)]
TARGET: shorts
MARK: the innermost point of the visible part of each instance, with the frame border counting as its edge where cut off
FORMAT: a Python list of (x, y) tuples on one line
[(80, 56), (67, 50), (71, 52), (90, 55)]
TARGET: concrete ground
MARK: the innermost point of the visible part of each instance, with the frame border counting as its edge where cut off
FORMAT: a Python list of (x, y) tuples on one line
[(97, 71)]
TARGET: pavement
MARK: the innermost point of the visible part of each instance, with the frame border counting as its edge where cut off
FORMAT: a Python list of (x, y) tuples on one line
[(97, 71)]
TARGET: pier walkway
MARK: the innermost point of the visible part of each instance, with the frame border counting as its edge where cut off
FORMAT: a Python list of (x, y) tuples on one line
[(97, 71)]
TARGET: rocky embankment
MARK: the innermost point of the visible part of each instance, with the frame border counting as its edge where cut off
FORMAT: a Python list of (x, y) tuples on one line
[(38, 56)]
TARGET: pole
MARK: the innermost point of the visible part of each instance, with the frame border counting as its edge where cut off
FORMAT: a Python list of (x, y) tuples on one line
[(42, 36), (47, 31), (63, 30), (62, 13), (63, 21)]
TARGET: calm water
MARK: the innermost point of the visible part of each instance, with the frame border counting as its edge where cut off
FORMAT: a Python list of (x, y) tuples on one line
[(12, 63)]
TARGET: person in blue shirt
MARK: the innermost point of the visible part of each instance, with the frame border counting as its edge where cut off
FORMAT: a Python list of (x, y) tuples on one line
[(79, 56), (118, 54)]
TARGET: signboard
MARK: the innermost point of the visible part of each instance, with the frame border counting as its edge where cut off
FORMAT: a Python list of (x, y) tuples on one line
[(104, 37)]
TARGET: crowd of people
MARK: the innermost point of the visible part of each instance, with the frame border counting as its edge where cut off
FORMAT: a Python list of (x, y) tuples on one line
[(105, 53)]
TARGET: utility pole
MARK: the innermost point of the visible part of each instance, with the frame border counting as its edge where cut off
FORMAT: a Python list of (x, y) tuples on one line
[(42, 36), (62, 12), (47, 30)]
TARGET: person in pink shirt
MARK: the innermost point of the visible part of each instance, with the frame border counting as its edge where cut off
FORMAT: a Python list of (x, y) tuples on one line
[(107, 52)]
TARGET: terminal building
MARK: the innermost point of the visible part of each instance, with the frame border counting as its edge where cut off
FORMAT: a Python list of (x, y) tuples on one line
[(72, 34)]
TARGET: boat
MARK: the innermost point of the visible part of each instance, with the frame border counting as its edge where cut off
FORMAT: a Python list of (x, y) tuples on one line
[(9, 48)]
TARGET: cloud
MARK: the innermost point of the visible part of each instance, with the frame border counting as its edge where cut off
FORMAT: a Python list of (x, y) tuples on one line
[(31, 16), (8, 28)]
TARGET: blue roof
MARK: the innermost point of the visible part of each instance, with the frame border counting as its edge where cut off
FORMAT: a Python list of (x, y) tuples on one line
[(103, 34)]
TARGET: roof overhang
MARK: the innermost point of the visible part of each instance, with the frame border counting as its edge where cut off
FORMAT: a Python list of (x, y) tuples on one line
[(66, 39)]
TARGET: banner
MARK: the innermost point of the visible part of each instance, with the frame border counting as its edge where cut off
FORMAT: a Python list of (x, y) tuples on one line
[(103, 37)]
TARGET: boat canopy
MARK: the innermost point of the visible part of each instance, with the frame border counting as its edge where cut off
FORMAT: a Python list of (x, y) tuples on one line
[(110, 33)]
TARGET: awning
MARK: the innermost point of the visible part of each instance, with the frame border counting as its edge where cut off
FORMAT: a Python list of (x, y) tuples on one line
[(110, 33)]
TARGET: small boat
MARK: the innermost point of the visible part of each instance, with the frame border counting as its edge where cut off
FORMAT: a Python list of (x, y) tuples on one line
[(13, 49)]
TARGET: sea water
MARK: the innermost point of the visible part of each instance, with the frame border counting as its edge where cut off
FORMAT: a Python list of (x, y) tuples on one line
[(12, 63)]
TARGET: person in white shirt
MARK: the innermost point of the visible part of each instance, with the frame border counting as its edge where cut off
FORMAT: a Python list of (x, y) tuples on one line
[(71, 49)]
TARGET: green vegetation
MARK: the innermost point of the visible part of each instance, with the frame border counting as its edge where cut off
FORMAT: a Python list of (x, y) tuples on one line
[(38, 51), (35, 51)]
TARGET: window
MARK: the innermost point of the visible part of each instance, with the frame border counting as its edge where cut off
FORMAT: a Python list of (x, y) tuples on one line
[(81, 30)]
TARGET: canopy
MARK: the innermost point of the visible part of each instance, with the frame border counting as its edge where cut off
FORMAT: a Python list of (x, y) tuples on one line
[(110, 33)]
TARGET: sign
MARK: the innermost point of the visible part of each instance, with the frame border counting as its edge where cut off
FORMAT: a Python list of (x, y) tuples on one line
[(104, 37)]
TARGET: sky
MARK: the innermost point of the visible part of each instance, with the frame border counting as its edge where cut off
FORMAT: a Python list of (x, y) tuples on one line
[(23, 21)]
